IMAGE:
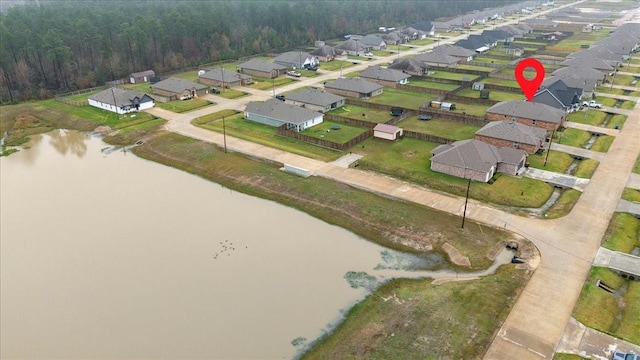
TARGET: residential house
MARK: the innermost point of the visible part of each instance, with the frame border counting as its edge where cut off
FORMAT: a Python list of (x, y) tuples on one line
[(592, 59), (356, 88), (559, 96), (296, 60), (327, 53), (261, 68), (394, 38), (410, 66), (437, 59), (413, 33), (373, 41), (225, 78), (541, 24), (550, 35), (121, 101), (512, 134), (477, 160), (527, 113), (478, 43), (387, 132), (179, 89), (385, 76), (427, 27), (576, 81), (500, 36), (514, 51), (353, 47), (276, 113), (459, 52), (142, 77), (315, 100)]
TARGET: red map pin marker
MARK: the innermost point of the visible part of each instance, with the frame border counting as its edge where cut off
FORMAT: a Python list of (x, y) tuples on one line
[(529, 87)]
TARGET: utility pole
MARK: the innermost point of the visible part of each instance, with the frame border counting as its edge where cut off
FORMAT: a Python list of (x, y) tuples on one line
[(466, 201), (222, 76), (224, 135), (549, 148)]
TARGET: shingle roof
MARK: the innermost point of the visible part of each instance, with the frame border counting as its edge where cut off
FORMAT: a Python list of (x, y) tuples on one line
[(325, 50), (590, 61), (513, 131), (468, 154), (177, 85), (425, 26), (294, 57), (143, 73), (454, 50), (224, 75), (379, 73), (276, 109), (122, 97), (372, 40), (261, 65), (438, 58), (385, 128), (574, 81), (528, 110), (580, 71), (408, 64), (357, 85), (562, 92), (351, 45), (314, 97)]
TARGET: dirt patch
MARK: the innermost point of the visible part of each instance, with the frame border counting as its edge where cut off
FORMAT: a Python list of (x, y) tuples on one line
[(455, 256), (410, 154)]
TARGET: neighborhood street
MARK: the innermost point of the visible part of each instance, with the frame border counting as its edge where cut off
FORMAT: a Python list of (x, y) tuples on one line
[(567, 245)]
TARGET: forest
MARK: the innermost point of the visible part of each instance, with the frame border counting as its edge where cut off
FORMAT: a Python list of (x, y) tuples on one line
[(48, 47)]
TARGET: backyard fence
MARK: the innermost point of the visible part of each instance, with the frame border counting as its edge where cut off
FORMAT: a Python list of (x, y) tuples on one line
[(484, 64), (116, 82), (64, 98), (349, 121), (283, 131), (423, 90), (464, 99), (455, 116), (426, 137), (457, 70)]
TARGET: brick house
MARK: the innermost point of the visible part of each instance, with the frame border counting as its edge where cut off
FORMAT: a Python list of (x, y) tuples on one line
[(225, 78), (315, 100), (175, 88), (261, 68), (276, 113), (385, 76), (527, 113), (477, 160), (512, 134), (355, 88)]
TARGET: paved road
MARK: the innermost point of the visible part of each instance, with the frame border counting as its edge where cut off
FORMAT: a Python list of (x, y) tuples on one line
[(567, 245)]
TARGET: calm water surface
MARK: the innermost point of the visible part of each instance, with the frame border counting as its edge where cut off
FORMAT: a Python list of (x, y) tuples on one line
[(106, 255)]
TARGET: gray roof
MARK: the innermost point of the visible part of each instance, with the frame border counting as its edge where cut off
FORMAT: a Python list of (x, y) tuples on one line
[(122, 97), (261, 65), (438, 58), (454, 50), (224, 75), (584, 72), (379, 73), (408, 64), (294, 57), (326, 50), (177, 85), (574, 81), (475, 155), (513, 131), (276, 109), (356, 85), (372, 40), (314, 97), (588, 61), (143, 73), (352, 44), (528, 110), (598, 52)]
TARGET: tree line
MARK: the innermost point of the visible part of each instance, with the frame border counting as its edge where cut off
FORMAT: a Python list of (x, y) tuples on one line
[(56, 46)]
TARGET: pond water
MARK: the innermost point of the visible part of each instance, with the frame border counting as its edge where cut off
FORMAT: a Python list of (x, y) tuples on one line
[(106, 255)]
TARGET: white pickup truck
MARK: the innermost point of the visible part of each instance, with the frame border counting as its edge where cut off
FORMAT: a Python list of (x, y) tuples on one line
[(592, 104)]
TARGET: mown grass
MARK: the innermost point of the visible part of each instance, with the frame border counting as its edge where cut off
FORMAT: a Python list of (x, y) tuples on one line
[(563, 206), (439, 127), (602, 143), (231, 93), (265, 84), (564, 356), (629, 327), (586, 168), (433, 84), (362, 113), (622, 233), (496, 95), (475, 67), (597, 308), (630, 194), (180, 106), (572, 137), (411, 319), (636, 167), (625, 80), (335, 65), (451, 75), (617, 119), (583, 38), (557, 161), (235, 125), (471, 108), (403, 98), (589, 117), (325, 131), (409, 159), (502, 82)]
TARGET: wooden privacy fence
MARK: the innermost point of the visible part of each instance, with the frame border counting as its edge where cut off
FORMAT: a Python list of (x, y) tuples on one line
[(63, 98), (349, 121), (423, 90), (463, 99), (426, 137), (283, 131), (455, 116)]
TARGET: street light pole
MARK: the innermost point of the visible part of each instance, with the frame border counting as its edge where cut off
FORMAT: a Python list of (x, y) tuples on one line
[(466, 201)]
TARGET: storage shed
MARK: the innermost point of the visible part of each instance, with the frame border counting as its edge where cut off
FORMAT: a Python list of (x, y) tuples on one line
[(387, 132)]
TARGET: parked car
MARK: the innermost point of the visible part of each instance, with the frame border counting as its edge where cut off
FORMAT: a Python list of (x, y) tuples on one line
[(280, 97), (592, 104), (620, 355), (215, 90), (368, 54), (424, 117), (396, 111), (294, 73)]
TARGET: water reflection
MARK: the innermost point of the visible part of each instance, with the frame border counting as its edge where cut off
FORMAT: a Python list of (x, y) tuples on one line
[(69, 142)]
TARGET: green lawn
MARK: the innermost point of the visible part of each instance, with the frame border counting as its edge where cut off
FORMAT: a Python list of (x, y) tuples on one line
[(439, 74), (597, 308), (341, 136), (586, 168), (493, 94), (568, 198), (563, 356), (335, 65), (572, 137), (603, 143), (622, 233), (403, 98), (409, 159), (630, 194), (142, 87), (235, 125), (180, 106), (583, 38), (432, 84), (492, 60), (557, 161), (625, 80), (471, 108), (231, 93), (617, 119), (362, 113), (191, 75), (475, 67), (589, 117), (265, 84), (439, 127), (636, 167), (84, 96), (502, 82)]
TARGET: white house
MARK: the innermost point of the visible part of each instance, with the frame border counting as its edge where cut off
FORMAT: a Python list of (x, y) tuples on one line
[(276, 113), (387, 132), (121, 101)]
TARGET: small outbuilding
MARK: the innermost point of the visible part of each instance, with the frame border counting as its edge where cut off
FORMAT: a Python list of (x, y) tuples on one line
[(387, 132), (142, 76)]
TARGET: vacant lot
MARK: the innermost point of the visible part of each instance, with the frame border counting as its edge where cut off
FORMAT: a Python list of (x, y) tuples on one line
[(332, 131), (362, 113), (439, 127), (181, 106)]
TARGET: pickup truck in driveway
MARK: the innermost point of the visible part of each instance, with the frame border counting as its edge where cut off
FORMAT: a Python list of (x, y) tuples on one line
[(592, 104)]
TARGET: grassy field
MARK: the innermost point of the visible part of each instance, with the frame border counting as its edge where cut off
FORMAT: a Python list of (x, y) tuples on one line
[(404, 98), (439, 127), (589, 117), (630, 194), (563, 356), (265, 84), (557, 161), (636, 167), (452, 76), (491, 60), (231, 93), (572, 137), (600, 310), (235, 125), (433, 84), (408, 319), (83, 96), (475, 67), (622, 233), (180, 106), (409, 159), (583, 38), (625, 80), (564, 204), (471, 108), (335, 65), (362, 113), (496, 95), (602, 143), (502, 82), (325, 131)]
